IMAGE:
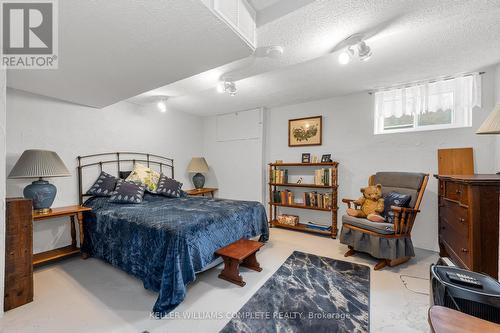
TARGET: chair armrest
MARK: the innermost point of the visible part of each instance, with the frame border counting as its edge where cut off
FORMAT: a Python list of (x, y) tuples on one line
[(404, 209), (403, 219), (349, 202)]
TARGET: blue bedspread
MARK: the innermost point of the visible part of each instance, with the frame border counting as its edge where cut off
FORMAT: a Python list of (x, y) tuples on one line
[(164, 241)]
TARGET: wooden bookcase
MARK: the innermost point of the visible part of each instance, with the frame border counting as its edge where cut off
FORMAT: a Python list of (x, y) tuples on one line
[(273, 206)]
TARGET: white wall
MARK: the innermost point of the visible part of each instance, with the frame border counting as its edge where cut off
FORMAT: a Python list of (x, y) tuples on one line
[(233, 149), (72, 130), (2, 185), (348, 135)]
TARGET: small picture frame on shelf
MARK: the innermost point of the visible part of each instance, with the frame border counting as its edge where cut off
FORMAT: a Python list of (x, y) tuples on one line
[(306, 158), (325, 158)]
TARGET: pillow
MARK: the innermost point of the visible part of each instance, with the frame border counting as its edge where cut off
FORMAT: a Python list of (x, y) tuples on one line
[(127, 192), (169, 187), (394, 199), (103, 186), (144, 175)]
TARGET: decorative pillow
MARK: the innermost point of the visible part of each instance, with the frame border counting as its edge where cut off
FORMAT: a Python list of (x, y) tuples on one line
[(144, 175), (103, 186), (169, 187), (127, 192), (394, 199)]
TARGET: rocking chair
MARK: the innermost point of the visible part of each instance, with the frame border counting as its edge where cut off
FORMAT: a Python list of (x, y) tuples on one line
[(389, 242)]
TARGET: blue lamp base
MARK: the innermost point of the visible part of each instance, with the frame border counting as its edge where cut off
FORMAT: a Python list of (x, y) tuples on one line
[(198, 180), (42, 193)]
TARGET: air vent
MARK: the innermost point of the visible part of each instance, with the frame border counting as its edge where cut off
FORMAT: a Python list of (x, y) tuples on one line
[(239, 15)]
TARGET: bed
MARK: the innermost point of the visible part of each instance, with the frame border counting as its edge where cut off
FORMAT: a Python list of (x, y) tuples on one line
[(164, 241)]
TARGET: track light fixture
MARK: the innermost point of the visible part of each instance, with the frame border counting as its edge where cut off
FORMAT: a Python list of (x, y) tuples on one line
[(162, 104), (360, 50), (228, 86)]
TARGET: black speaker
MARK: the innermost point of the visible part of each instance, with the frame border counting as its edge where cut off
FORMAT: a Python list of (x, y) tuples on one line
[(473, 293)]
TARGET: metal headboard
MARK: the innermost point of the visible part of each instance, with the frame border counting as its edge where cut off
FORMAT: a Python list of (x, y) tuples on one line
[(118, 158)]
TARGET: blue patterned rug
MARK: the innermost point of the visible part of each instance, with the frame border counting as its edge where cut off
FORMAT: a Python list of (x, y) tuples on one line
[(309, 293)]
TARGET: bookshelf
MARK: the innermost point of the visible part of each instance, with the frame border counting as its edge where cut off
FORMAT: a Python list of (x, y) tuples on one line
[(326, 183)]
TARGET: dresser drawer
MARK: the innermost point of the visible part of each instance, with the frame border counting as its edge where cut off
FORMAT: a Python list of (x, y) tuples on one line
[(456, 242), (456, 192), (456, 216)]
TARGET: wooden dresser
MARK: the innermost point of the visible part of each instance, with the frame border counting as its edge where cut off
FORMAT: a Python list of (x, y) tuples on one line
[(18, 253), (468, 221)]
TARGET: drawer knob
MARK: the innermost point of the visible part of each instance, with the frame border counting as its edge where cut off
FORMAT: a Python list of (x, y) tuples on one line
[(461, 219), (457, 191), (464, 250)]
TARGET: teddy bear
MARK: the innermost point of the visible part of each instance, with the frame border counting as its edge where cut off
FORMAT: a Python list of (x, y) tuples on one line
[(372, 204)]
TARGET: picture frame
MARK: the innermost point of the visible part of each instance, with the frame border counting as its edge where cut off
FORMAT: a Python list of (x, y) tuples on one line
[(325, 158), (306, 158), (305, 131)]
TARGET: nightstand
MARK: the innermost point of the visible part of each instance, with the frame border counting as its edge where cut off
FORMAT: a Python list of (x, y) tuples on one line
[(202, 191), (65, 251)]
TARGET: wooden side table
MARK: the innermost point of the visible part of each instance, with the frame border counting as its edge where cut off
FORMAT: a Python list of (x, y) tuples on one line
[(241, 252), (65, 251), (202, 191)]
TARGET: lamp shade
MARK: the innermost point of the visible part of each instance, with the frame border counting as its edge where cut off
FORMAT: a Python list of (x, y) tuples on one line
[(36, 163), (492, 124), (198, 164)]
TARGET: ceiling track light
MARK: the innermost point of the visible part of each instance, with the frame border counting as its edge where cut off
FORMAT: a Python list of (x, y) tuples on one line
[(227, 86), (364, 51), (162, 104), (355, 49)]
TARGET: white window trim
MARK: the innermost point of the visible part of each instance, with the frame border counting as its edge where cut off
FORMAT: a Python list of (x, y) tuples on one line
[(421, 128)]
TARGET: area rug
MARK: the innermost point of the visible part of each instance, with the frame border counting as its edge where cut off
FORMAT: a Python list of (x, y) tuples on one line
[(308, 293)]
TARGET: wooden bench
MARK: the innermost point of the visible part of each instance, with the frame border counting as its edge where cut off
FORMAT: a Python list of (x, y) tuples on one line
[(241, 252)]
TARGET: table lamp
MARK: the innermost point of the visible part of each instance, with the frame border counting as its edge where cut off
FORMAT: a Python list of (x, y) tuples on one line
[(36, 163), (198, 165), (492, 124)]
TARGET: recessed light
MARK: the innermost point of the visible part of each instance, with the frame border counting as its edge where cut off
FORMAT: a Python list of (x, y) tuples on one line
[(274, 51)]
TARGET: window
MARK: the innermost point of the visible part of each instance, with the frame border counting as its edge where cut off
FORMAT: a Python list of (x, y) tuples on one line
[(426, 106)]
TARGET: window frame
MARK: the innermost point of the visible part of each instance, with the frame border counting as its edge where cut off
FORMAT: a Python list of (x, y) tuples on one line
[(464, 120)]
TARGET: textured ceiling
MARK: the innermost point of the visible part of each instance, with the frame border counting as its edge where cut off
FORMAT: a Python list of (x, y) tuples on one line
[(411, 40), (113, 50), (261, 4)]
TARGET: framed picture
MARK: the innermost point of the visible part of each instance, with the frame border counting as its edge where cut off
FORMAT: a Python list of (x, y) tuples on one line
[(305, 131), (306, 158), (326, 158)]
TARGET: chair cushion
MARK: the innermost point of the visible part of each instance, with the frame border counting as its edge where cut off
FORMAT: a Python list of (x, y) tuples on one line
[(378, 227), (402, 182)]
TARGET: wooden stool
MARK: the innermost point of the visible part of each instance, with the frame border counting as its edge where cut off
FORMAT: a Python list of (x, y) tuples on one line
[(242, 253)]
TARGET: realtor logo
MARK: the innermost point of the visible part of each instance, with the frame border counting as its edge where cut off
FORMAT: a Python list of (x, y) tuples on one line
[(29, 34)]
